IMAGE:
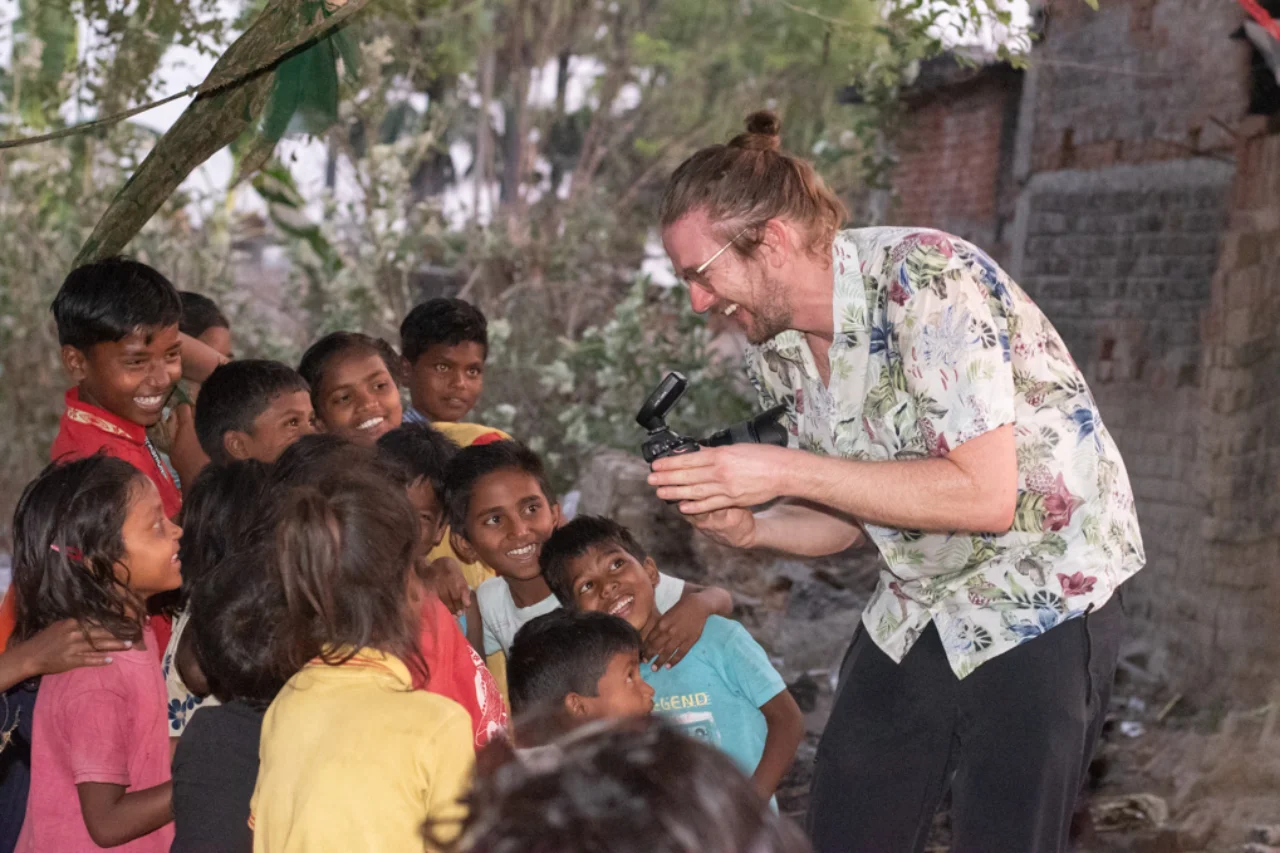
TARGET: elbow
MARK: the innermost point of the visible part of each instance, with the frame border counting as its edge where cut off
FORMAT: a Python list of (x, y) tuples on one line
[(997, 512)]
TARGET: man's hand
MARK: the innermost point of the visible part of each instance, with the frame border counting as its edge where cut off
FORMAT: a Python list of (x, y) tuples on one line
[(676, 631), (734, 527), (63, 646), (715, 478), (444, 575)]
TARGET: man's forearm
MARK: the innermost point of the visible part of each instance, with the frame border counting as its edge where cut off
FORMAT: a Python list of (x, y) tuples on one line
[(922, 494), (805, 530)]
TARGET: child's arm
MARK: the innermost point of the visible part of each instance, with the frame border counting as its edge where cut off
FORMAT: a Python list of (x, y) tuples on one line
[(475, 627), (113, 816), (198, 358), (58, 648), (786, 729), (681, 626)]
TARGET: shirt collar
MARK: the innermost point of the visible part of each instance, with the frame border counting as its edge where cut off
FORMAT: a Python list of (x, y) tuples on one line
[(92, 416), (848, 302), (371, 659)]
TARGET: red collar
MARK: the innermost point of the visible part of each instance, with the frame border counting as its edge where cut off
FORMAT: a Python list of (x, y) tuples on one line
[(90, 415)]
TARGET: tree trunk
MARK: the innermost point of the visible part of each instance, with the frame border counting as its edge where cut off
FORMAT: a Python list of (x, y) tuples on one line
[(231, 98)]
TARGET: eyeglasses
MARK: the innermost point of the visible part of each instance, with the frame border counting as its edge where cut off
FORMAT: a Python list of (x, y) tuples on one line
[(711, 260)]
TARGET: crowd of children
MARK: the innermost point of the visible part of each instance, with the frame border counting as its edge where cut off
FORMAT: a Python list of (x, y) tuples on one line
[(274, 610)]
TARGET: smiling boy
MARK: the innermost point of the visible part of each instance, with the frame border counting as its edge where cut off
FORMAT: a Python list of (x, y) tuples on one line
[(501, 510), (118, 327), (253, 409), (725, 691)]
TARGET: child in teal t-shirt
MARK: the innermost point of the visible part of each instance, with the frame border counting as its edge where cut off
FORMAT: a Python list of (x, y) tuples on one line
[(725, 691)]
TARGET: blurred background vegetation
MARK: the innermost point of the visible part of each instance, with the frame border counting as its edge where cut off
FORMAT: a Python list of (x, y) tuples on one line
[(511, 151)]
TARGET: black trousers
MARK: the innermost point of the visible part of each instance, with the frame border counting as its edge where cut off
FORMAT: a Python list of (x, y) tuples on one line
[(1013, 740)]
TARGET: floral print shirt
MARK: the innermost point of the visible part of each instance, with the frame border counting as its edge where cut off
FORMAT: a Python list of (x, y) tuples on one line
[(934, 345)]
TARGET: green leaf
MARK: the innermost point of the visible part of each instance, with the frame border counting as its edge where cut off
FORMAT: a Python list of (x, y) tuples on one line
[(1093, 4)]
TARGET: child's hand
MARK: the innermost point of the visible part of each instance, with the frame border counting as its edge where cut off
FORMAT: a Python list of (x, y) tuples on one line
[(63, 646), (444, 575), (676, 632)]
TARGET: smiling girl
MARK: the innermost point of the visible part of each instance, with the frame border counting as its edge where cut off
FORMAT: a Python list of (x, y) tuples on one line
[(354, 381), (92, 543)]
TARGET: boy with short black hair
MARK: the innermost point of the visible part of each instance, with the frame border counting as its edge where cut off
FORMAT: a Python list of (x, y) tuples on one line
[(501, 510), (203, 320), (118, 327), (582, 664), (724, 691), (253, 409), (445, 343)]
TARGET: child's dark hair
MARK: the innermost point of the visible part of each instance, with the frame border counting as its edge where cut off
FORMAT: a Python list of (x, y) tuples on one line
[(445, 321), (235, 394), (236, 612), (224, 511), (418, 452), (315, 457), (200, 314), (319, 355), (107, 300), (480, 460), (625, 786), (575, 539), (344, 547), (564, 652), (67, 541)]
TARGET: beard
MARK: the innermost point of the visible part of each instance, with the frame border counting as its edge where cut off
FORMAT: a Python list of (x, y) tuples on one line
[(770, 316)]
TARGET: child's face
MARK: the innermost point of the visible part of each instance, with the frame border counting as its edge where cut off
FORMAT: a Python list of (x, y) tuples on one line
[(430, 513), (218, 338), (286, 419), (131, 378), (621, 692), (608, 579), (508, 519), (359, 399), (150, 564), (445, 382)]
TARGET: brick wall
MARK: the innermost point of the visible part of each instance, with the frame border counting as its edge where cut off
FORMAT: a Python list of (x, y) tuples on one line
[(953, 150), (1136, 81), (1121, 261), (1221, 616)]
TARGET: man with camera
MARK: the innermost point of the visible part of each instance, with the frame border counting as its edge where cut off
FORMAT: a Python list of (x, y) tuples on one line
[(932, 409)]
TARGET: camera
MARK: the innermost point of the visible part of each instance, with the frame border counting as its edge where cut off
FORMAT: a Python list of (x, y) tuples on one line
[(764, 428)]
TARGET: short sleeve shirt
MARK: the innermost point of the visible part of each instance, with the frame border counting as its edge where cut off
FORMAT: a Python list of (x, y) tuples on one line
[(352, 758), (935, 345), (214, 770), (96, 724), (715, 693), (502, 619)]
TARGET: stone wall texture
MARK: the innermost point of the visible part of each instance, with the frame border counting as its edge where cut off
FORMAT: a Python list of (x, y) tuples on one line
[(1146, 225)]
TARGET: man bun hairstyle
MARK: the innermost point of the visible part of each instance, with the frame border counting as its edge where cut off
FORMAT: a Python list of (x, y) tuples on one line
[(750, 180)]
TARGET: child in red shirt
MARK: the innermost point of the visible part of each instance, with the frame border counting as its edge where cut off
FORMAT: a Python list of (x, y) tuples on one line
[(118, 327)]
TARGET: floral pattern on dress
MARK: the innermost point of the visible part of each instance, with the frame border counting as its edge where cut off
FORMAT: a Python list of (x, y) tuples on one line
[(935, 345)]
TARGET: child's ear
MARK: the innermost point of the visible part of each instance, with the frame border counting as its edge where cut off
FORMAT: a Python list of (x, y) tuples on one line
[(651, 570), (74, 362), (462, 547), (557, 516), (576, 705), (236, 443)]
